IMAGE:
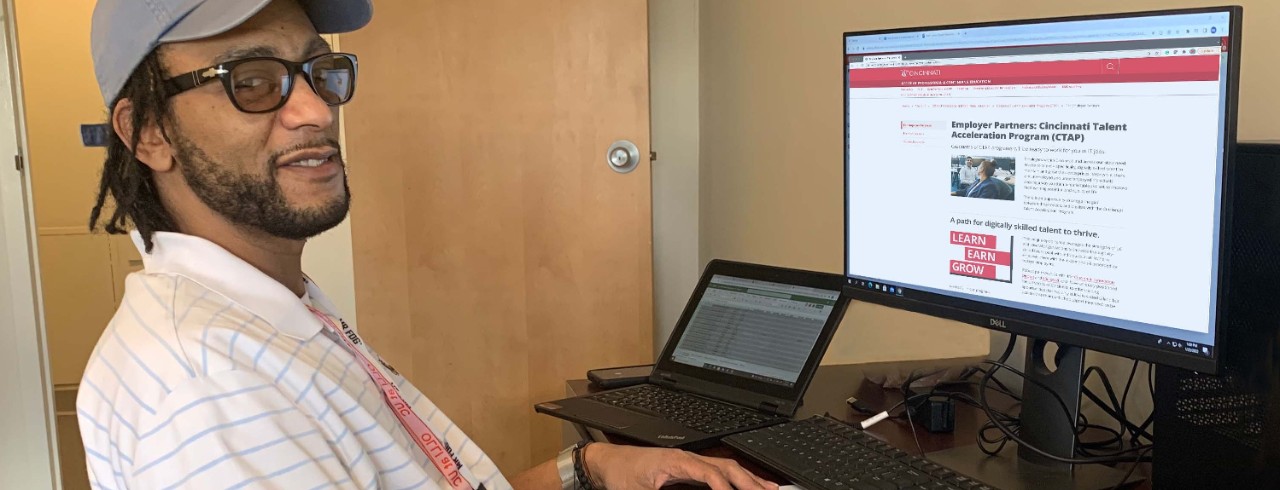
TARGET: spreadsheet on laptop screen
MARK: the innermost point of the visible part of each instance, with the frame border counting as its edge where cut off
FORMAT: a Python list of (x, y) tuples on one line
[(756, 329)]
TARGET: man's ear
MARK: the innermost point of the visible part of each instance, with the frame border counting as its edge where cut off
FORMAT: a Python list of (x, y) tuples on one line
[(153, 148)]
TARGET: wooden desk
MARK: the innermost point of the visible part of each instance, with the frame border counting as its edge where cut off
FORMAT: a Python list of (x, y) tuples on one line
[(834, 384)]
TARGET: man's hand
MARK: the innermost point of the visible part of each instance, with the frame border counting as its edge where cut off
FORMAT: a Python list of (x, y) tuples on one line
[(628, 468)]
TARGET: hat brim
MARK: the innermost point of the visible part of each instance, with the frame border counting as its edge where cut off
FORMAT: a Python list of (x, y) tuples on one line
[(212, 18)]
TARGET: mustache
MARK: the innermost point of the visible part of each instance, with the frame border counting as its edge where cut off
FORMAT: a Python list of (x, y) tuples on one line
[(320, 143)]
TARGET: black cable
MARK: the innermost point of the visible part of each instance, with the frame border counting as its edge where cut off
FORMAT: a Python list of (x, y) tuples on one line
[(982, 387), (1126, 425), (982, 438), (1106, 383), (1086, 447), (1008, 348), (958, 396), (1151, 387), (1151, 379), (952, 394), (906, 389), (1136, 462), (993, 380), (1151, 418), (1004, 357), (1115, 437), (908, 399), (1114, 409), (911, 422), (1124, 399), (992, 419)]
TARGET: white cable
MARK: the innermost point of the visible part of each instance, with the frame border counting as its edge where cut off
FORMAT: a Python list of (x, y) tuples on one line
[(874, 420)]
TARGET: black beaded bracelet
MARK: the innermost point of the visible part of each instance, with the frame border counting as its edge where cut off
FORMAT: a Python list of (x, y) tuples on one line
[(592, 482), (580, 468)]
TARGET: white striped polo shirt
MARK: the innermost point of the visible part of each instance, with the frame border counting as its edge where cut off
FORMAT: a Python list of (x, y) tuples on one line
[(213, 375)]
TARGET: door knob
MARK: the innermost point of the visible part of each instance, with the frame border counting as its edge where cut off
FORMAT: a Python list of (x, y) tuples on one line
[(623, 156)]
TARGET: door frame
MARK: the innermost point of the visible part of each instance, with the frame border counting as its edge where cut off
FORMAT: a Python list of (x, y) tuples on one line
[(21, 308)]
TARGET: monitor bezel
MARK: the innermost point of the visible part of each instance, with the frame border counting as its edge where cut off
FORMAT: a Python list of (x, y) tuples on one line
[(1084, 334)]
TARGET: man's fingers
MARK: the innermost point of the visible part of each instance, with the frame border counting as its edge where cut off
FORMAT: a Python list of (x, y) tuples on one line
[(705, 472), (739, 476)]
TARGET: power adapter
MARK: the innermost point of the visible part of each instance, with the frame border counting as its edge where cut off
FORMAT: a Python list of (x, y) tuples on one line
[(937, 416)]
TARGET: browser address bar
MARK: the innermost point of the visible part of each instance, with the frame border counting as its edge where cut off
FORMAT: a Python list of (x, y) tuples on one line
[(890, 46), (1089, 55)]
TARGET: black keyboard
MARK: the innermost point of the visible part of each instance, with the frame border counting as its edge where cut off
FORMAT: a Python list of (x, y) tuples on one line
[(697, 413), (821, 453)]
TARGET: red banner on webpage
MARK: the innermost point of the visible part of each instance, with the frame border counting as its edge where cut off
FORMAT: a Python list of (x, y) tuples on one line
[(1201, 68), (988, 256), (973, 239), (984, 271)]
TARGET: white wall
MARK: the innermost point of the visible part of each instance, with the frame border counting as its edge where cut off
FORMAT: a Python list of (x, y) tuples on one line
[(327, 260), (673, 112), (26, 453)]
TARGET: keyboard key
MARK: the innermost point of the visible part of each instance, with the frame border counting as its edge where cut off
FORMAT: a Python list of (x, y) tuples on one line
[(881, 484), (917, 477)]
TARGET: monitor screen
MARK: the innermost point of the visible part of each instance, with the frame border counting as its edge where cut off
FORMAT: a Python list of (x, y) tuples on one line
[(1066, 175), (756, 329)]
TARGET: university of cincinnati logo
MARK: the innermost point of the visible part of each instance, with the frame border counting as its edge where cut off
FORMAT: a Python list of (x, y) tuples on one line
[(920, 73)]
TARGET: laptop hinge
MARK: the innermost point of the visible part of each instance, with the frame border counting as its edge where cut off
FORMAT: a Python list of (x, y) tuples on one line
[(666, 379), (770, 406)]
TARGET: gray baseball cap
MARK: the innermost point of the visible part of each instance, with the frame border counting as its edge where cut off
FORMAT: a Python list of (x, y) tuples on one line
[(125, 31)]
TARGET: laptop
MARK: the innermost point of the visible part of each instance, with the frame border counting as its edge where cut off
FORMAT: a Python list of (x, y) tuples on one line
[(740, 358)]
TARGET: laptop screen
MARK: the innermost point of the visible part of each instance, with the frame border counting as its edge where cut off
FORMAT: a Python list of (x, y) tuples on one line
[(755, 329)]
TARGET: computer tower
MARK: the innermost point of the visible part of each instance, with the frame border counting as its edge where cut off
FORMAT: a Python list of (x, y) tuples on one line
[(1223, 431)]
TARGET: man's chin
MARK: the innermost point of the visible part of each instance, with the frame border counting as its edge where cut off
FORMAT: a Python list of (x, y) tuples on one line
[(304, 223), (324, 219)]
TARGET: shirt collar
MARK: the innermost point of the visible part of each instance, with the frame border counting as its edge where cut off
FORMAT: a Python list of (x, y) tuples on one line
[(220, 271)]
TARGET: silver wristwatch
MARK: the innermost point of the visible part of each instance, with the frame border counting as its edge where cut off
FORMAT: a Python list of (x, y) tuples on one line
[(564, 466)]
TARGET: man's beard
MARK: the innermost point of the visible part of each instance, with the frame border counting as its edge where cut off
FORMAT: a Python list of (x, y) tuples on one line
[(257, 203)]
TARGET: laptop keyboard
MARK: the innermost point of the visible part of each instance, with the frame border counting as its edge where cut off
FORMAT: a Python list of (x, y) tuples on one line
[(700, 414), (823, 453)]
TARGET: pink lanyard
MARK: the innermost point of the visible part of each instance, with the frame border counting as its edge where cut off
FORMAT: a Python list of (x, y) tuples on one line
[(431, 445)]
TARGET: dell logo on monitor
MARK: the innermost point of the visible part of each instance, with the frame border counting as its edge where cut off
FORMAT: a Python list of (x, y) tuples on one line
[(677, 438), (998, 323)]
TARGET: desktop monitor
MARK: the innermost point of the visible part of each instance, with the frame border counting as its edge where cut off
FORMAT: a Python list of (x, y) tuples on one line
[(1062, 179)]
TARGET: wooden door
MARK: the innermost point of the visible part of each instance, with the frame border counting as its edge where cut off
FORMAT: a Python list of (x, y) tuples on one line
[(496, 253)]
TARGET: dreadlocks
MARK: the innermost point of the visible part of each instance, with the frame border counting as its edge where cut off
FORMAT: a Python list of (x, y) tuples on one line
[(126, 179)]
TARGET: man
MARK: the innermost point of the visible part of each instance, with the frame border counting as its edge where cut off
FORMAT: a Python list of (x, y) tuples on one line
[(224, 366), (989, 187), (968, 174)]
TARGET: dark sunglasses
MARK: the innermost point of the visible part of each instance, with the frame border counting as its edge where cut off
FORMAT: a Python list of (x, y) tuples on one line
[(263, 84)]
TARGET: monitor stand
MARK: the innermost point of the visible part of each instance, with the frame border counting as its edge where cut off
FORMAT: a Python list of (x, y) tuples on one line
[(1045, 425)]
